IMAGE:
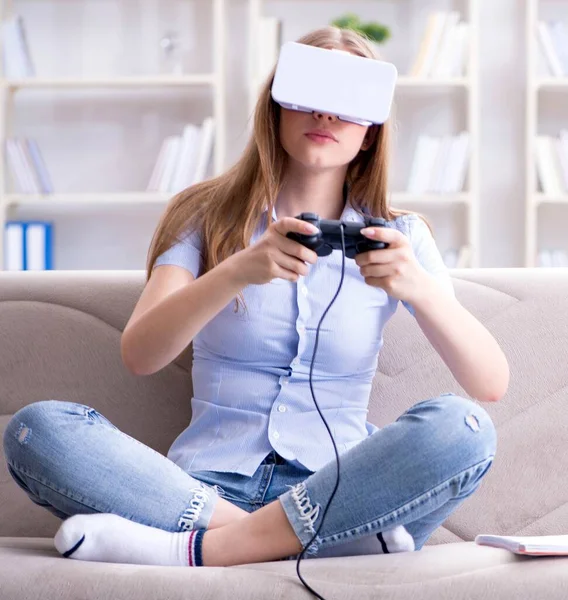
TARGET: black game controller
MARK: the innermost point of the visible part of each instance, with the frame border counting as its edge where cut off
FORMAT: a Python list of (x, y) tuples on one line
[(328, 237)]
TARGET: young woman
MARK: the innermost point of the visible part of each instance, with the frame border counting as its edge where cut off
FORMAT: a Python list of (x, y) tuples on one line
[(250, 477)]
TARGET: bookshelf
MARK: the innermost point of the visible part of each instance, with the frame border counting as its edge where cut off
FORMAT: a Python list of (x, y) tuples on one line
[(457, 210), (117, 82), (213, 82), (546, 91)]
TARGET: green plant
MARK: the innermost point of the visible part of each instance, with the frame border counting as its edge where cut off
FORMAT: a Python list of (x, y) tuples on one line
[(372, 30)]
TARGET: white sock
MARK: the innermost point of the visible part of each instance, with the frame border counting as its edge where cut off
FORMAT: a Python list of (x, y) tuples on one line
[(105, 537), (396, 539)]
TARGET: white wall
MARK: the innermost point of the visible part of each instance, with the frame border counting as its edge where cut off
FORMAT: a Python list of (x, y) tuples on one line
[(108, 141)]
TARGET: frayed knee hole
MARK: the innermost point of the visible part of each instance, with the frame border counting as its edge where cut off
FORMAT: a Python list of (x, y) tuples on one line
[(23, 434)]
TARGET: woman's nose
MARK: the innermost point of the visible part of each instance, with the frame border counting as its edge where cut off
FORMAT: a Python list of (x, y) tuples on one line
[(324, 116)]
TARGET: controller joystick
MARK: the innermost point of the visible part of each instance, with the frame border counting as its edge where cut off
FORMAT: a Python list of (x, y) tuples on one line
[(328, 238)]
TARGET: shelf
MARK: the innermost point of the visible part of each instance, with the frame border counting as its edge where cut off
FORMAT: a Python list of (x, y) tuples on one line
[(86, 198), (423, 82), (540, 198), (544, 94), (117, 82), (81, 204), (159, 197), (552, 83), (430, 198)]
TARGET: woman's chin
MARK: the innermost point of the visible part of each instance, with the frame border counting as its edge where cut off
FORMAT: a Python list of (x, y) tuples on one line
[(318, 161)]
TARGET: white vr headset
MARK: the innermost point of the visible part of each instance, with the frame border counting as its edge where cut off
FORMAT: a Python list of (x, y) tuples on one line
[(355, 89)]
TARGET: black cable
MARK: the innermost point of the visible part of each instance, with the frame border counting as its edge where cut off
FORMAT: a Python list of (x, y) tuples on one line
[(327, 427)]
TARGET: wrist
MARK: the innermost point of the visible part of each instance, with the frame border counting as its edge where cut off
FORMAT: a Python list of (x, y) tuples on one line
[(233, 274), (425, 293)]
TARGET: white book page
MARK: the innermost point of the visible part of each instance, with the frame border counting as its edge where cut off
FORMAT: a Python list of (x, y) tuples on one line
[(543, 543), (14, 247)]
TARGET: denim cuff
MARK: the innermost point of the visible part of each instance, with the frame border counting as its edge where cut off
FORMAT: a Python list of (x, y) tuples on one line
[(302, 516), (200, 510)]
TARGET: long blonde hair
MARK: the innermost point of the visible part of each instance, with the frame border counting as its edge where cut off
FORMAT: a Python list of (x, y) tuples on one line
[(227, 209)]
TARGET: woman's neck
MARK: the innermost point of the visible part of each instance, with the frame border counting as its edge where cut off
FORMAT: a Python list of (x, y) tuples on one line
[(315, 192)]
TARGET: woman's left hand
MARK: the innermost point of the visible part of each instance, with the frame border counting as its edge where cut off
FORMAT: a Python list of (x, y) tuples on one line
[(394, 269)]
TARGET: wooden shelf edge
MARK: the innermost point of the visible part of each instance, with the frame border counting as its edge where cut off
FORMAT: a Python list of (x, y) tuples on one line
[(117, 82), (85, 198)]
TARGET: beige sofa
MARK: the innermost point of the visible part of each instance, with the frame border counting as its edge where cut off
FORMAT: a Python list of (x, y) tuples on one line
[(60, 335)]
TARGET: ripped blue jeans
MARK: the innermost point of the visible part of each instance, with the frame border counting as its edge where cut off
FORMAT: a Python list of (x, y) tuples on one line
[(413, 472)]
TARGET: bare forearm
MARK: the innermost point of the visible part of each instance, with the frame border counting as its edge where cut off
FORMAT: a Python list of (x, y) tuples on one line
[(164, 331), (471, 353)]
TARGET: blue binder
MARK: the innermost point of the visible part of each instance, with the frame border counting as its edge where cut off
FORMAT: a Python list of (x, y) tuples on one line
[(43, 261)]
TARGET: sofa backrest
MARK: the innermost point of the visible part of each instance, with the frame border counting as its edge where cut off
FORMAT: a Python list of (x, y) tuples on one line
[(60, 339)]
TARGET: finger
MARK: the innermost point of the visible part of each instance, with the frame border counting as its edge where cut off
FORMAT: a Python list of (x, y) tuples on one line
[(290, 263), (285, 274), (378, 271), (385, 256), (378, 282), (385, 234), (295, 249), (290, 224)]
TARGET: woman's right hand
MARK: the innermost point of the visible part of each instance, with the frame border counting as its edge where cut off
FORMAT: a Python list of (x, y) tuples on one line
[(274, 255)]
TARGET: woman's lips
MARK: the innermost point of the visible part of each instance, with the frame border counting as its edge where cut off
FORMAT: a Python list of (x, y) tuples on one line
[(319, 138)]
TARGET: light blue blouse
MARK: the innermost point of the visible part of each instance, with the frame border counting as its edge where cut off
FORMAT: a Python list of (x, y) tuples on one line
[(251, 370)]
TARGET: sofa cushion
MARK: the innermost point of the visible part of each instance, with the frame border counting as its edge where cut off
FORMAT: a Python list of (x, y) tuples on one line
[(60, 333), (32, 568)]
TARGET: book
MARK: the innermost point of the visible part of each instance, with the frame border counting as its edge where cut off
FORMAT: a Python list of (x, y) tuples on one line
[(459, 163), (204, 150), (423, 164), (17, 59), (440, 65), (417, 179), (31, 175), (38, 250), (172, 155), (459, 59), (27, 167), (440, 168), (559, 37), (439, 165), (28, 246), (562, 151), (443, 48), (549, 50), (539, 545), (17, 165), (184, 169), (548, 166), (13, 246), (429, 44), (154, 183), (38, 166), (559, 258), (183, 160)]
